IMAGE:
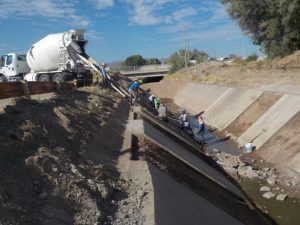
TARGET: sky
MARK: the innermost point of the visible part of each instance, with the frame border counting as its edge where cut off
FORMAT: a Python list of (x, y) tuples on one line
[(117, 29)]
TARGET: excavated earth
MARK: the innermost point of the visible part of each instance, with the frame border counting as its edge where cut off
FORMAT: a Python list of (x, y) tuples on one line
[(58, 161)]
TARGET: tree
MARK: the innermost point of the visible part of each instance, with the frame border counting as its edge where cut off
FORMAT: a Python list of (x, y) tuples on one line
[(234, 56), (252, 57), (154, 61), (177, 59), (135, 60), (199, 56), (272, 24)]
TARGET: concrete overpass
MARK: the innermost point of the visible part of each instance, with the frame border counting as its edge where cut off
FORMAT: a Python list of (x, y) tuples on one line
[(148, 71)]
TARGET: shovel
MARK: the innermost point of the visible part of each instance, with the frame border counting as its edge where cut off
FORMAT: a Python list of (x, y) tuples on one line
[(262, 132)]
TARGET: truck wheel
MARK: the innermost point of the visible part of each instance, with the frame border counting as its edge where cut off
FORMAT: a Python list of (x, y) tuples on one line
[(3, 79), (44, 78), (58, 78)]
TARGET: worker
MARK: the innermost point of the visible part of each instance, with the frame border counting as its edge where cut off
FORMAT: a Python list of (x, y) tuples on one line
[(156, 103), (133, 89), (162, 112), (183, 120), (103, 75), (151, 100), (199, 130)]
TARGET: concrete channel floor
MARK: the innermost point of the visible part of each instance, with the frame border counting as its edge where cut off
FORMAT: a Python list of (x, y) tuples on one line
[(172, 203), (176, 204)]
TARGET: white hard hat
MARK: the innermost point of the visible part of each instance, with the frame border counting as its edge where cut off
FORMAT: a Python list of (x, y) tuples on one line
[(104, 64)]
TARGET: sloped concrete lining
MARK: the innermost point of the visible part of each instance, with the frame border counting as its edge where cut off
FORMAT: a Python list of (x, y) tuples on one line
[(284, 88), (197, 97), (244, 113), (272, 120), (252, 113), (176, 150), (230, 107), (294, 163)]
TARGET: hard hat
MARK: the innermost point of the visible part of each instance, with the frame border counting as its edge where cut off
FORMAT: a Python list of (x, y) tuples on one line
[(140, 81), (104, 64)]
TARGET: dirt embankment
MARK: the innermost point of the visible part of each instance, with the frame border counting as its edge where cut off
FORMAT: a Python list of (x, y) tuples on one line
[(242, 74), (58, 161)]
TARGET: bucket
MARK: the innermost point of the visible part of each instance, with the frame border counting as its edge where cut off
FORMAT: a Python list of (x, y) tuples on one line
[(248, 148)]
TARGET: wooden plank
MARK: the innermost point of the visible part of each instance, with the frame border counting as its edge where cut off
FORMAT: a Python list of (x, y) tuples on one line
[(9, 90), (41, 87), (16, 89), (16, 86)]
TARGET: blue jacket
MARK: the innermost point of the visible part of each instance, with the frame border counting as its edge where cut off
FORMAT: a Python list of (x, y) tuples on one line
[(134, 85), (198, 128)]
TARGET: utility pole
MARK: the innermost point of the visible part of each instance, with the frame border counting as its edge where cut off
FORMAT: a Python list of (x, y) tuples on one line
[(188, 48), (243, 48), (185, 47)]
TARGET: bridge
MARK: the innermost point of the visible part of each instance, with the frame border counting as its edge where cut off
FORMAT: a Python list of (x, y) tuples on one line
[(147, 71)]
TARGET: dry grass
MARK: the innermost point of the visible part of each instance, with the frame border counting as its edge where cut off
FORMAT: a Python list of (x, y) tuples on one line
[(240, 73)]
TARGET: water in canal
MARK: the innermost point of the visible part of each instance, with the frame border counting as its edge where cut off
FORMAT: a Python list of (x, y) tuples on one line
[(283, 212)]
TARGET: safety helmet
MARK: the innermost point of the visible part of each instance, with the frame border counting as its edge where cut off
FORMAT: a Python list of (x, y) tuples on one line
[(140, 81), (104, 64)]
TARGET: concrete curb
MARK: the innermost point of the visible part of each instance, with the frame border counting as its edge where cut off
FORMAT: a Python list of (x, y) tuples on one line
[(137, 170)]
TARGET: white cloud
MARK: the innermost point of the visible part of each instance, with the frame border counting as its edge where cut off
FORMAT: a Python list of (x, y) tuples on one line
[(94, 36), (185, 12), (224, 32), (146, 12), (63, 10), (176, 28), (216, 9), (102, 4)]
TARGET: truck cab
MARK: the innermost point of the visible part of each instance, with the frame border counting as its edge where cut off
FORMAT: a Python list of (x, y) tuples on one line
[(13, 67)]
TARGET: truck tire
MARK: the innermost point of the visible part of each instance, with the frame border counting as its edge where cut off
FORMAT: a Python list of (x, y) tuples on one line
[(59, 78), (44, 78)]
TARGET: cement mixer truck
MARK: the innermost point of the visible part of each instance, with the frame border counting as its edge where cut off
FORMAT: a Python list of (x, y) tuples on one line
[(56, 57)]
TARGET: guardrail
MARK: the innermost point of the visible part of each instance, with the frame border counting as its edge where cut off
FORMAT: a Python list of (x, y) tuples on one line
[(23, 88), (160, 67)]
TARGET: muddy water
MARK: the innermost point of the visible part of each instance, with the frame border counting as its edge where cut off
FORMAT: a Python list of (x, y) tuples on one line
[(283, 212)]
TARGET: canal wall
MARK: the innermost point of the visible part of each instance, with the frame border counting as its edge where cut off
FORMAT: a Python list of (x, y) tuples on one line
[(269, 116)]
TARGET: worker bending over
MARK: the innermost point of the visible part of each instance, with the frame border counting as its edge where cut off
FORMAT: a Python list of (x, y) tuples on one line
[(162, 112), (199, 130), (183, 120), (133, 89)]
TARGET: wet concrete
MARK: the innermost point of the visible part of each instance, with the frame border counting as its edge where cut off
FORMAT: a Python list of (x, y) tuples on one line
[(221, 143)]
